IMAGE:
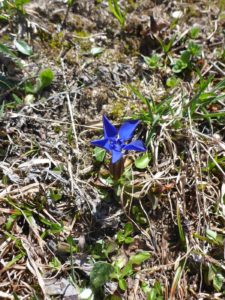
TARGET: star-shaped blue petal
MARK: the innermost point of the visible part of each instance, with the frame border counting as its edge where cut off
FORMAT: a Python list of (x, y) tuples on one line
[(115, 140)]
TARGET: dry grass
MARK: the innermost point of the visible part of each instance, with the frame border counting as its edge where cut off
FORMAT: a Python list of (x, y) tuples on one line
[(58, 205)]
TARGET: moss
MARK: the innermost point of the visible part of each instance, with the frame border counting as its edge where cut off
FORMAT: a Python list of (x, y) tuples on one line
[(118, 109), (5, 38), (57, 41), (85, 44), (81, 33)]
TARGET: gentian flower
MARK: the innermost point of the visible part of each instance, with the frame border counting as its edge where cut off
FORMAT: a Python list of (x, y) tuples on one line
[(114, 140)]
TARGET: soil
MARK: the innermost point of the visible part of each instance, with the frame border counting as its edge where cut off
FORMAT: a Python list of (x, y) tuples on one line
[(59, 208)]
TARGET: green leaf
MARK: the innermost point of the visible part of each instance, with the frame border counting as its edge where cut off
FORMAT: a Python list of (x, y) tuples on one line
[(109, 248), (128, 240), (185, 57), (218, 281), (172, 81), (23, 47), (70, 2), (113, 297), (180, 228), (179, 66), (6, 51), (17, 99), (55, 263), (214, 237), (139, 258), (143, 161), (146, 101), (207, 96), (194, 32), (176, 280), (4, 18), (194, 49), (152, 295), (55, 195), (120, 236), (128, 229), (46, 77), (20, 3), (166, 46), (15, 259), (99, 154), (122, 284), (16, 297), (153, 61), (10, 221), (44, 80), (100, 274), (127, 270), (116, 11), (2, 109)]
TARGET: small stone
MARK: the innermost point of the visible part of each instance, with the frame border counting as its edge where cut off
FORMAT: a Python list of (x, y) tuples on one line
[(177, 14)]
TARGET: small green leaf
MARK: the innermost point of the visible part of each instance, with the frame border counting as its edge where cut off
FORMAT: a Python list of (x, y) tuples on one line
[(172, 81), (153, 61), (55, 263), (4, 18), (120, 236), (23, 47), (99, 154), (10, 221), (128, 240), (6, 51), (176, 280), (206, 96), (120, 262), (185, 57), (128, 229), (116, 11), (180, 228), (215, 237), (139, 258), (70, 2), (100, 273), (152, 295), (127, 270), (113, 297), (211, 234), (179, 66), (194, 32), (21, 2), (44, 80), (46, 77), (194, 49), (143, 161), (122, 284), (55, 195), (218, 281)]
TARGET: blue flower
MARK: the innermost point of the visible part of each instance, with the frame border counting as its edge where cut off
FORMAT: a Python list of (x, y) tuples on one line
[(115, 140)]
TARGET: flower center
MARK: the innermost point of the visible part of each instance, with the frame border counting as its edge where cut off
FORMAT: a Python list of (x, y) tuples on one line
[(116, 144)]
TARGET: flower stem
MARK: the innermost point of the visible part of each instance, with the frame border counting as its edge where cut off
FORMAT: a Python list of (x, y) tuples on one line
[(116, 170)]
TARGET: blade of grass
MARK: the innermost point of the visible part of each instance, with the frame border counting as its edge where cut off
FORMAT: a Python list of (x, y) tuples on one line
[(176, 280), (144, 100), (180, 228)]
